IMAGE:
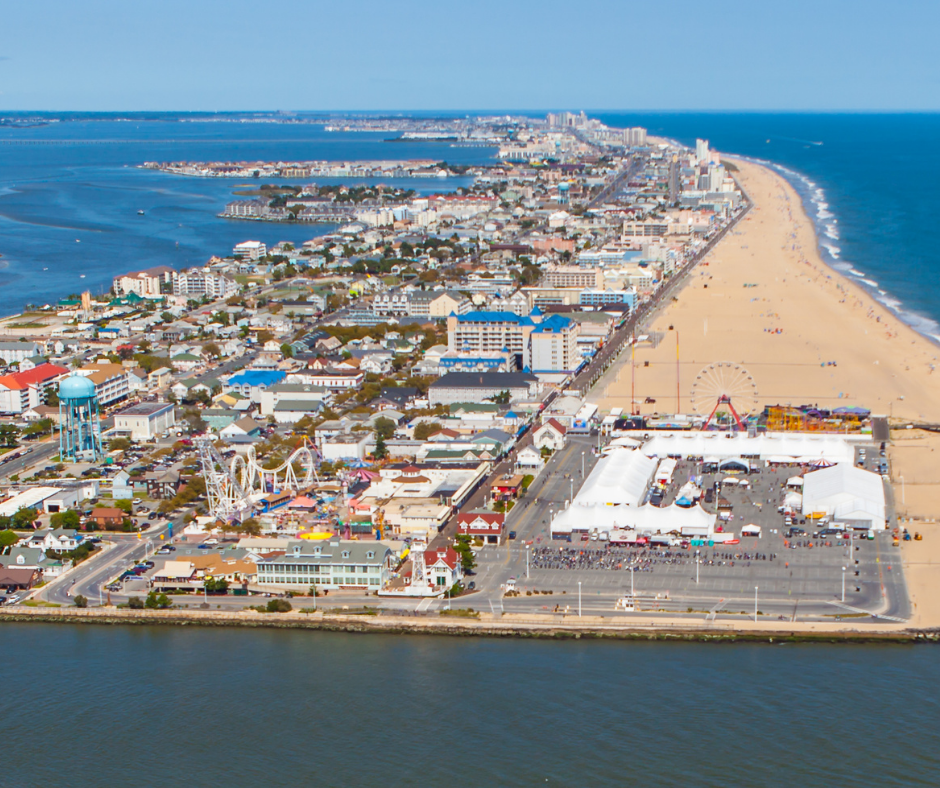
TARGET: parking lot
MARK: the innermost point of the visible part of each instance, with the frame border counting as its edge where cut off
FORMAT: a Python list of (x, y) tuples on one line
[(793, 576)]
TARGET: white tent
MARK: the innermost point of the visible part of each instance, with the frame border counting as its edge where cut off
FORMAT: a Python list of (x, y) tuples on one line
[(620, 477), (846, 493), (795, 481), (625, 443), (776, 446), (750, 530), (793, 500), (694, 521)]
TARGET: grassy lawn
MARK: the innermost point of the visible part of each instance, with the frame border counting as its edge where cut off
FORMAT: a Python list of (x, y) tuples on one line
[(25, 325)]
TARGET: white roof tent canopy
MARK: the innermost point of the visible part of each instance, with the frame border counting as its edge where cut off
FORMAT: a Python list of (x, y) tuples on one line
[(692, 521), (774, 447), (846, 493), (619, 478)]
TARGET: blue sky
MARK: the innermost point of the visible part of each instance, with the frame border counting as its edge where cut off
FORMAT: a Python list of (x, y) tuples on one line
[(476, 54)]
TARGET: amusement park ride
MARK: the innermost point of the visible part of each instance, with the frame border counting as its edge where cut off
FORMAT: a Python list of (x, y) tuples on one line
[(230, 489), (727, 392)]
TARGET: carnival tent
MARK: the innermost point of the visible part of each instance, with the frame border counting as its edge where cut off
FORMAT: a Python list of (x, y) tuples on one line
[(846, 493)]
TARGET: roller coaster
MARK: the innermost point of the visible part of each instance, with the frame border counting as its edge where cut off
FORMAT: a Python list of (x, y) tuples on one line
[(296, 472)]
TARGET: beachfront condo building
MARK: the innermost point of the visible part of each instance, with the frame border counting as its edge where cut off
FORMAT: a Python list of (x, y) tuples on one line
[(572, 276), (553, 346)]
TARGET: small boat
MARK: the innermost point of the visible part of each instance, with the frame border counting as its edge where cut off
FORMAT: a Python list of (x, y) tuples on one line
[(140, 213), (77, 241), (81, 276)]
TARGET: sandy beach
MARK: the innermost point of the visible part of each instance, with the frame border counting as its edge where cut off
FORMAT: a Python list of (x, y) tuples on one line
[(764, 299)]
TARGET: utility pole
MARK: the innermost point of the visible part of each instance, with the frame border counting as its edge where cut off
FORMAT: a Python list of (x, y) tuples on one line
[(755, 604), (579, 598)]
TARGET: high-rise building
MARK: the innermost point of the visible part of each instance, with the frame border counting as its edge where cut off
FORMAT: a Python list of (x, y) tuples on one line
[(701, 151)]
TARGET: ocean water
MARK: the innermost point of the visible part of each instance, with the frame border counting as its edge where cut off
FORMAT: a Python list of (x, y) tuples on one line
[(150, 706), (868, 181), (70, 193)]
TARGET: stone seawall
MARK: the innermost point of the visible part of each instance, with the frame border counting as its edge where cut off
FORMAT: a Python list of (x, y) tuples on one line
[(486, 625)]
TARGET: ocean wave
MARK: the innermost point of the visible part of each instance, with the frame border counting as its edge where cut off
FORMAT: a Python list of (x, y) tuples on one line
[(870, 282), (834, 251), (856, 272), (832, 232)]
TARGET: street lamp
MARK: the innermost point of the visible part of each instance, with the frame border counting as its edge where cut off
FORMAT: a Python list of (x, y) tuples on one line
[(582, 465), (903, 494), (755, 604), (843, 584), (527, 561), (697, 562), (579, 599)]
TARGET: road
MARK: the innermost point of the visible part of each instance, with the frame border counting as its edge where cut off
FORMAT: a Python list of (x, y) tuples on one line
[(39, 454), (90, 577)]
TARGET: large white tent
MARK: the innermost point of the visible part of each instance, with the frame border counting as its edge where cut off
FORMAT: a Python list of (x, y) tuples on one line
[(775, 447), (846, 493), (620, 477), (692, 521)]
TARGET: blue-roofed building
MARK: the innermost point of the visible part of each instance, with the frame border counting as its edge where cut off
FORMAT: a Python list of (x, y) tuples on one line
[(553, 346), (484, 333), (251, 382)]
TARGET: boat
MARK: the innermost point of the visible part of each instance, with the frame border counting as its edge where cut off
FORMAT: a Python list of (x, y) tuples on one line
[(81, 276), (140, 213)]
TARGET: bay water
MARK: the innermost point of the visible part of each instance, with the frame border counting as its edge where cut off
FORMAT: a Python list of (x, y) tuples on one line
[(148, 706)]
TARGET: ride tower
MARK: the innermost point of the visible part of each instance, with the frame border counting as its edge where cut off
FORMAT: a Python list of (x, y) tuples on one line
[(79, 421)]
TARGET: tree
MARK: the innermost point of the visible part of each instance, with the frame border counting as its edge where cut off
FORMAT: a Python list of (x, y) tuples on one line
[(426, 428), (80, 601), (384, 427), (264, 336), (8, 434), (287, 351), (381, 450), (8, 538), (135, 603), (40, 427), (24, 518), (125, 505), (215, 585), (52, 398), (119, 444), (155, 601), (462, 547), (279, 606), (67, 519), (211, 349), (167, 317)]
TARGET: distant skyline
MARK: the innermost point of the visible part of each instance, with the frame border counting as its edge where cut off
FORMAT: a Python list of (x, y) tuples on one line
[(218, 55)]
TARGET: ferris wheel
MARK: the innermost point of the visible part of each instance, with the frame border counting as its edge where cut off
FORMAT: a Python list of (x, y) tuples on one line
[(724, 388)]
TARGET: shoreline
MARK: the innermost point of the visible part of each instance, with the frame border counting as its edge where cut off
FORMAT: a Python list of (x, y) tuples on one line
[(827, 236), (487, 625)]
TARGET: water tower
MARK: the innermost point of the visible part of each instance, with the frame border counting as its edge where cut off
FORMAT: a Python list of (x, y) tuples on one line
[(80, 427)]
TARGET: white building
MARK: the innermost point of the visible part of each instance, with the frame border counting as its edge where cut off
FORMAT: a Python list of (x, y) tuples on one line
[(146, 420), (197, 282), (14, 352), (250, 250)]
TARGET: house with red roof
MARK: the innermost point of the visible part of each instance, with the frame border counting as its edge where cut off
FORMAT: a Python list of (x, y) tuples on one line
[(488, 526), (20, 391), (550, 435), (442, 565)]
